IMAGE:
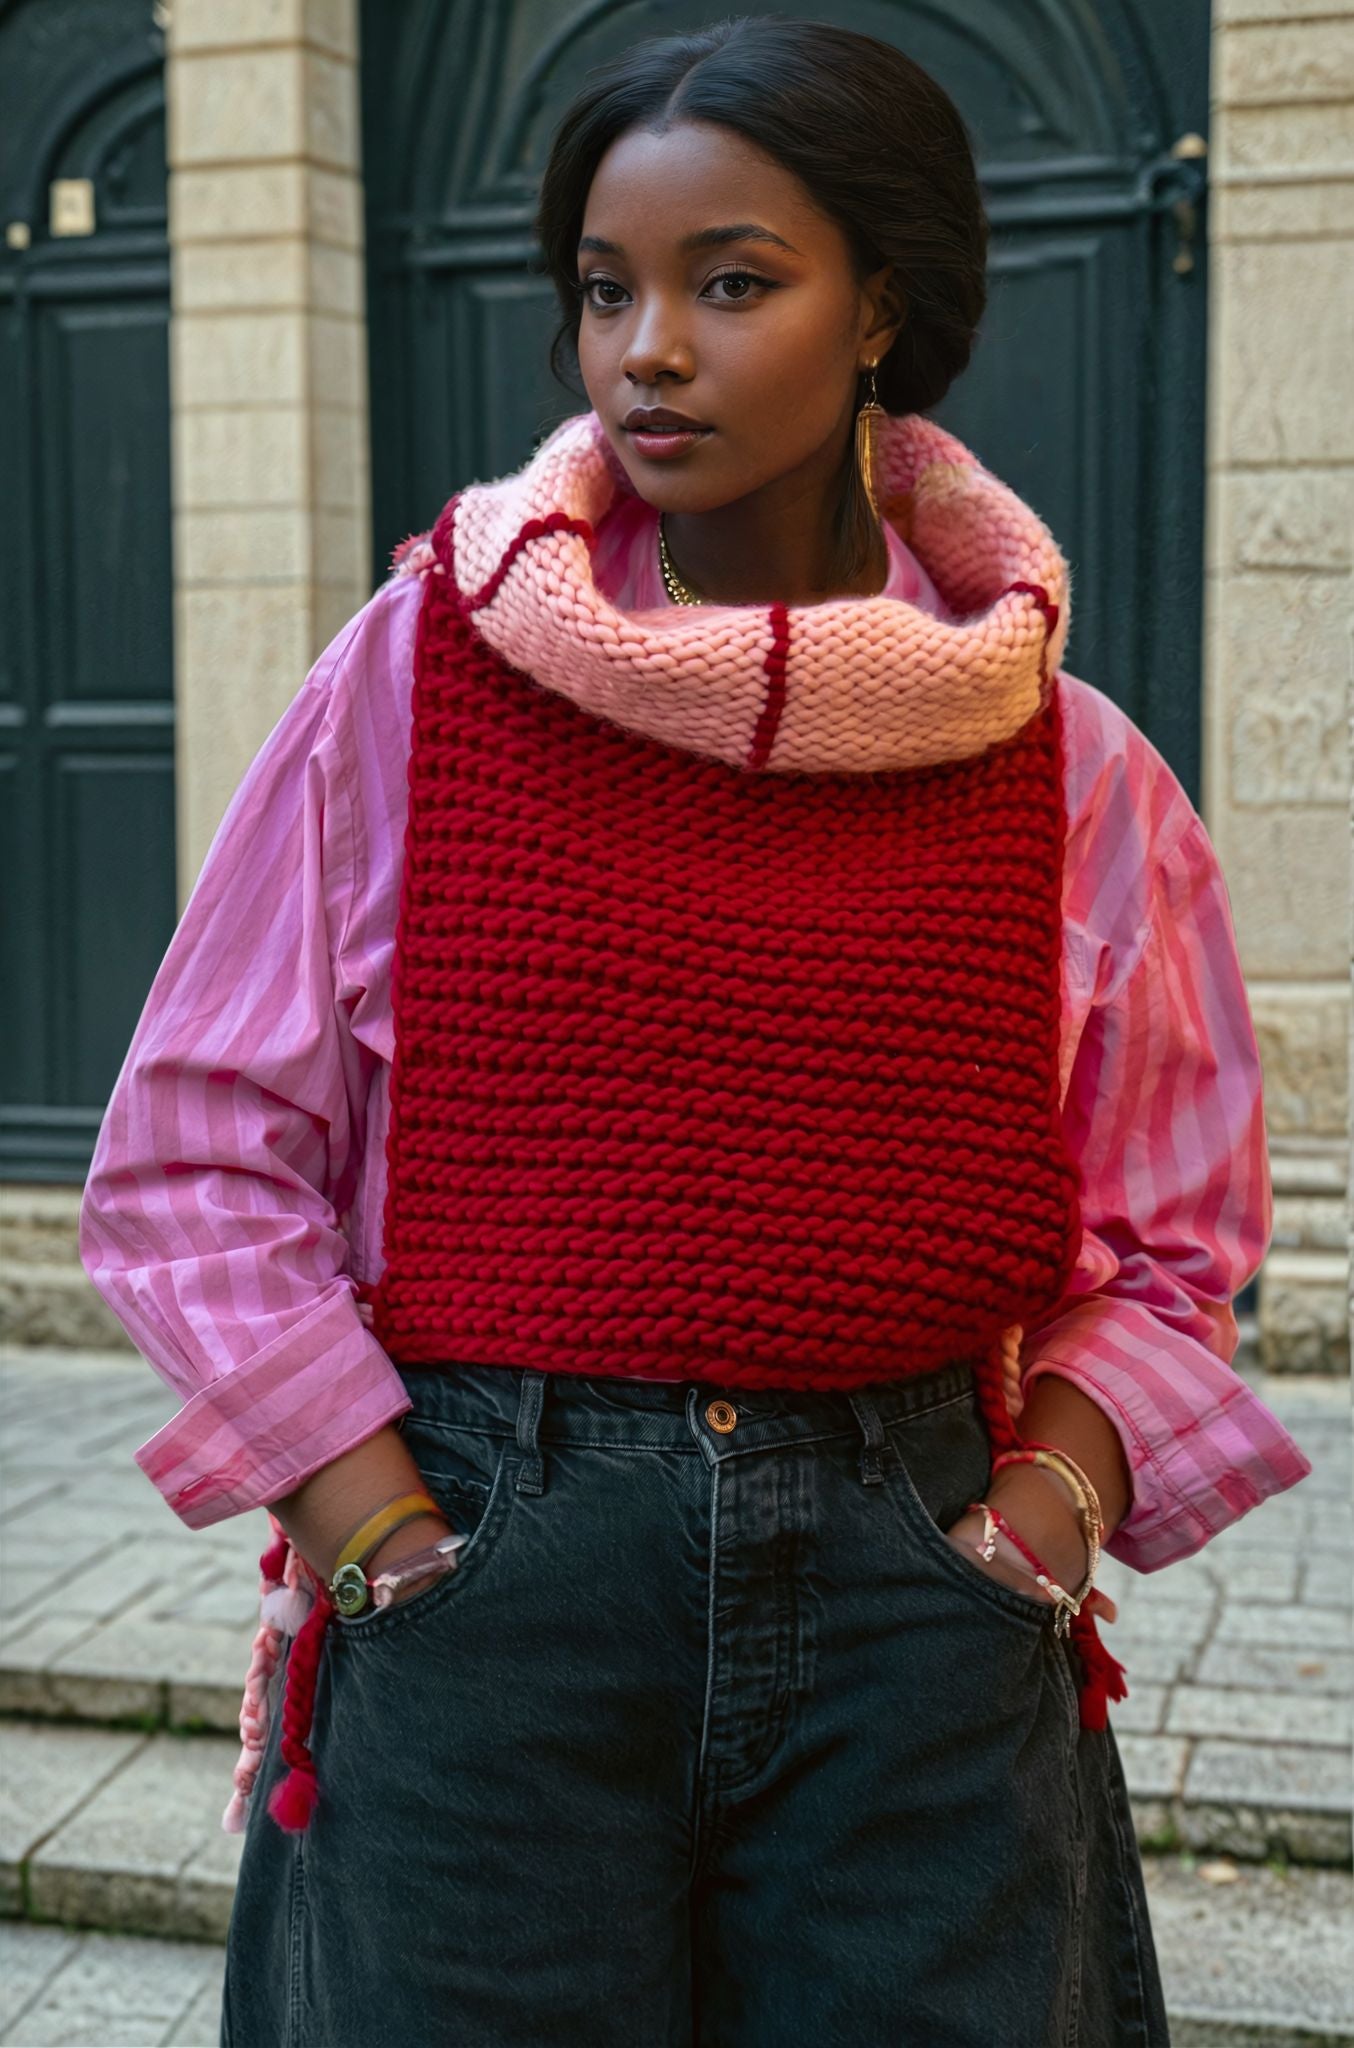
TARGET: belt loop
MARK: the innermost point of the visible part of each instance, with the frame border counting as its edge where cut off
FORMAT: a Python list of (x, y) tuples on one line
[(531, 1473), (872, 1429)]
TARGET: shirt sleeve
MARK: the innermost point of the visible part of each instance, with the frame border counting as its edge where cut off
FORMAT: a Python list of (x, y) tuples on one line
[(229, 1146), (1164, 1111)]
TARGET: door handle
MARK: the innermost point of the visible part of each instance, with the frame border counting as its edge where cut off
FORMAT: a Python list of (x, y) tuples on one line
[(1174, 183)]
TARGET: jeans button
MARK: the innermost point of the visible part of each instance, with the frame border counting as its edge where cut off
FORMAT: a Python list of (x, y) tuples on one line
[(721, 1415)]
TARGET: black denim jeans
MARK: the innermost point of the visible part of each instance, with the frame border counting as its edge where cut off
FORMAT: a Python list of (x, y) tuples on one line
[(711, 1740)]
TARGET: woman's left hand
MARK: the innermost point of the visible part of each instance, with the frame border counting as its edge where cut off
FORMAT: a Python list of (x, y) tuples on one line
[(1034, 1504)]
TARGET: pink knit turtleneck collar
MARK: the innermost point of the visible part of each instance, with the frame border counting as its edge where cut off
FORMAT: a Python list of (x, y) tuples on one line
[(848, 685)]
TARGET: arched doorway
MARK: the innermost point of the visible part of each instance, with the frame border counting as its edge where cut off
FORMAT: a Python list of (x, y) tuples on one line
[(86, 646), (1087, 392)]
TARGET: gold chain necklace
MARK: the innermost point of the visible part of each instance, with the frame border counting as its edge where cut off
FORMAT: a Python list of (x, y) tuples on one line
[(679, 592)]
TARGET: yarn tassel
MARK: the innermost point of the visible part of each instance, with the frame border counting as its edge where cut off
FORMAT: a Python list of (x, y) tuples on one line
[(284, 1603), (293, 1799), (1102, 1676), (289, 1602), (263, 1657)]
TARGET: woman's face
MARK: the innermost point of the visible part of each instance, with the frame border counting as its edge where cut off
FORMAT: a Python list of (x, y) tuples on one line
[(759, 337)]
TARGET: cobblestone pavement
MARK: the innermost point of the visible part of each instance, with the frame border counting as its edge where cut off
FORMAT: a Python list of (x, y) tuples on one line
[(1236, 1733)]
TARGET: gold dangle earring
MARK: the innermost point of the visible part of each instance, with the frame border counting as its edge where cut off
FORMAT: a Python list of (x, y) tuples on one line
[(867, 426)]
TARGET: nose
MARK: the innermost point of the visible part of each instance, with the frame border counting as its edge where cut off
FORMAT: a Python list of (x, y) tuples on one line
[(655, 348)]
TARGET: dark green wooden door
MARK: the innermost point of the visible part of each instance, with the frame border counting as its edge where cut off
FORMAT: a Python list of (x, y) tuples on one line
[(1087, 392), (86, 659)]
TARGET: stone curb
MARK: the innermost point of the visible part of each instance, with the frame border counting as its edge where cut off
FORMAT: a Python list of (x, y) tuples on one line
[(1259, 1961), (116, 1830)]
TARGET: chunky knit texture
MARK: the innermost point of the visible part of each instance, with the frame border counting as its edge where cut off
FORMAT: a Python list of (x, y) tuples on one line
[(742, 1076), (699, 1071), (860, 684), (751, 1076)]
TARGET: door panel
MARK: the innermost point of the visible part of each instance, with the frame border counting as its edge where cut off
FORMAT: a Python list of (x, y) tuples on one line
[(86, 592)]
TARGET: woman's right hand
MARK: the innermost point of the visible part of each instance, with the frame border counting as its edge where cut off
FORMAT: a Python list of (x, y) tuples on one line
[(321, 1515)]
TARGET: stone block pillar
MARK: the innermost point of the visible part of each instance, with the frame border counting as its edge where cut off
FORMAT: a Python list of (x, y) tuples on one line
[(268, 373), (1279, 613)]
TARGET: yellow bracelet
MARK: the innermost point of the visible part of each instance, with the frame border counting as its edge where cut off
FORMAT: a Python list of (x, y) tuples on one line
[(378, 1526)]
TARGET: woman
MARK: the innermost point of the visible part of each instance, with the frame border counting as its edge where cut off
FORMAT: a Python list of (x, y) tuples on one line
[(702, 1126)]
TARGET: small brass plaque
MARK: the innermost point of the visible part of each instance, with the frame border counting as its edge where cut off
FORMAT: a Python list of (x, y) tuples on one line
[(72, 206)]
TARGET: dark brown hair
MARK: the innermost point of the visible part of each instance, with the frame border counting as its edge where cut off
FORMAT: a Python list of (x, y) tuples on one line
[(879, 146)]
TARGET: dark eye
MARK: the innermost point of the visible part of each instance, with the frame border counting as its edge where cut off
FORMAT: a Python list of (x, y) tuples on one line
[(739, 277), (591, 284)]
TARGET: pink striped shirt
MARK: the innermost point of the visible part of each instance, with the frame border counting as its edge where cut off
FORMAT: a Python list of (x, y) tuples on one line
[(235, 1196)]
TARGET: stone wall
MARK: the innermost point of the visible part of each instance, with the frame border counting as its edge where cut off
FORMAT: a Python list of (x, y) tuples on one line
[(1278, 631), (268, 373), (272, 501)]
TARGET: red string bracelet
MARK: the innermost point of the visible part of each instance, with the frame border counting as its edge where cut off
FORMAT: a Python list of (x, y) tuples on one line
[(1021, 1545), (1102, 1677), (985, 1507), (1067, 1604)]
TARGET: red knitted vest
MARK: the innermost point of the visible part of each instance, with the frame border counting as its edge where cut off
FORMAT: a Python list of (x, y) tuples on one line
[(705, 1072), (749, 1078)]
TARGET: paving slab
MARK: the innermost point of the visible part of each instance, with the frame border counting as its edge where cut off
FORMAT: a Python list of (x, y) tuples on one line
[(145, 1852), (1328, 1581), (1154, 1765), (46, 1775), (1253, 1957), (88, 1990), (1146, 1662), (19, 1492), (1144, 1710), (200, 2026), (29, 1959), (29, 1684), (1297, 1672), (1309, 1629), (1248, 1713), (178, 1674)]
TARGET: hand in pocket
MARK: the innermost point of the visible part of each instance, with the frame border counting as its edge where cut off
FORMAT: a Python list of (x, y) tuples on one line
[(413, 1536), (1011, 1569)]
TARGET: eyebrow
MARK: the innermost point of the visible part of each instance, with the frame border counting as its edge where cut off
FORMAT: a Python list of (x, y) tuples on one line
[(703, 238)]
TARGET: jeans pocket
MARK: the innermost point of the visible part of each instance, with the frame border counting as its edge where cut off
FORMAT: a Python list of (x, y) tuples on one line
[(469, 1473), (939, 1461)]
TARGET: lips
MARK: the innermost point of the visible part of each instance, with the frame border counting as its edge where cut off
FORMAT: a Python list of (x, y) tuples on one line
[(667, 427)]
